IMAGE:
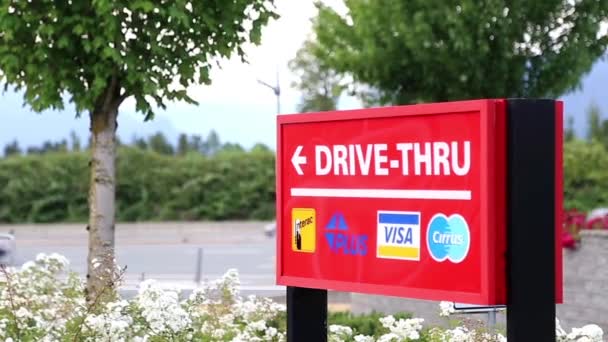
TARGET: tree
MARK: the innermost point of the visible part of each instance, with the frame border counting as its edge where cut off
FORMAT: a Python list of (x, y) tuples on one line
[(75, 139), (100, 52), (140, 143), (260, 147), (232, 147), (12, 149), (569, 134), (594, 123), (197, 143), (411, 51), (183, 144), (321, 86), (159, 143), (212, 145)]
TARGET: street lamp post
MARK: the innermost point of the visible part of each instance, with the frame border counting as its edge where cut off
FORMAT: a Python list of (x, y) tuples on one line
[(277, 91)]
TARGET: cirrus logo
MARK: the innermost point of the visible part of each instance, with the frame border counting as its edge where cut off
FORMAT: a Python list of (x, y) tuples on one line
[(448, 238)]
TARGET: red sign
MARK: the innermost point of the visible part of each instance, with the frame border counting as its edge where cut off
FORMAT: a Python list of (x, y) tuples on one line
[(406, 201)]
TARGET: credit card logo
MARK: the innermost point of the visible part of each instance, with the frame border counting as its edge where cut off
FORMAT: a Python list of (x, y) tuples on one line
[(303, 229), (398, 235), (448, 238)]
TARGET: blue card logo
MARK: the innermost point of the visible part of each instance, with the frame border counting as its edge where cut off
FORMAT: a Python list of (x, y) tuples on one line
[(448, 238), (341, 241)]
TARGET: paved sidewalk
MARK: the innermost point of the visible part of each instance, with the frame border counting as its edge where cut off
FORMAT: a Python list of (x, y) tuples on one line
[(143, 233)]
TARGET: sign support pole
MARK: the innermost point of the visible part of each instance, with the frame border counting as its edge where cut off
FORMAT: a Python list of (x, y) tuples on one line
[(531, 139), (306, 314)]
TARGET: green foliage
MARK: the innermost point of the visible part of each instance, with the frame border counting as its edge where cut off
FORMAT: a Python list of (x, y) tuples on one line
[(47, 188), (75, 141), (585, 176), (594, 123), (233, 184), (597, 128), (159, 144), (48, 146), (185, 144), (104, 51), (366, 324), (569, 133), (410, 51), (321, 86), (12, 148)]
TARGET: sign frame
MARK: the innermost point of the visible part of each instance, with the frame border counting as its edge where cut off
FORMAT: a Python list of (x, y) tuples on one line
[(492, 125)]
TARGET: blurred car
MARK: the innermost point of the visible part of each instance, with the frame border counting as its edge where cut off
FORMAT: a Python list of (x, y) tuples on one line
[(270, 229), (597, 219), (7, 249)]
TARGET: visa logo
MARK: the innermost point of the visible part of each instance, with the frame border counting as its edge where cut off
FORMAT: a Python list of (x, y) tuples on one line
[(398, 235)]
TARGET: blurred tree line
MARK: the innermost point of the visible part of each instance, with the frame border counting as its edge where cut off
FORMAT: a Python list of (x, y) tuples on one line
[(198, 178), (157, 142), (207, 179), (586, 162)]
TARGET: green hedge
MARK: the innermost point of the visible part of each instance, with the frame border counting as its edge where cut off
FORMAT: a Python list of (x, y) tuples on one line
[(585, 175), (54, 187), (233, 184)]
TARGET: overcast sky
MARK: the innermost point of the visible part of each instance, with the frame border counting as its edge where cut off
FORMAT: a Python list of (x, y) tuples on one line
[(235, 105)]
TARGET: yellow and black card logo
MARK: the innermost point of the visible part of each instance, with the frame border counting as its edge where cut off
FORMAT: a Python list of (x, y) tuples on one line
[(304, 228)]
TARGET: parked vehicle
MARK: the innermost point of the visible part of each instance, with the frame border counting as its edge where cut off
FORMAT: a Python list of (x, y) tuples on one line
[(7, 249), (270, 229), (597, 219)]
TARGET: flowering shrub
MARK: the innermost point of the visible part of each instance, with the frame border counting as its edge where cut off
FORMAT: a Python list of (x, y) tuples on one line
[(42, 301)]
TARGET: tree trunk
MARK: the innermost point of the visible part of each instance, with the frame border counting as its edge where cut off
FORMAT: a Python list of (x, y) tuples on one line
[(101, 263)]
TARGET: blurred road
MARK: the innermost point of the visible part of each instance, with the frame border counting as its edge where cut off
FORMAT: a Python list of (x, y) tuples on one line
[(167, 252)]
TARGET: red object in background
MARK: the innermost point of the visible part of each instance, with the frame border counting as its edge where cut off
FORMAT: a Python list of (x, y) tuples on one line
[(387, 201), (596, 219), (568, 241)]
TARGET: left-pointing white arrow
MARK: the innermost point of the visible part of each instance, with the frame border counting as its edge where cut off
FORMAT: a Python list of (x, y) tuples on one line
[(298, 160)]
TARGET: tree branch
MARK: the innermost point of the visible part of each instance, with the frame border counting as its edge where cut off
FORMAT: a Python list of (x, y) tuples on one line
[(122, 97)]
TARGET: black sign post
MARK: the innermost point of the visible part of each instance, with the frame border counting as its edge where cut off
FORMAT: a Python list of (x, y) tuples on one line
[(306, 314), (531, 221), (531, 139)]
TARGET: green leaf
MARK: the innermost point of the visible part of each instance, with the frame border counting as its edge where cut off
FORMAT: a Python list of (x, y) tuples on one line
[(408, 51), (144, 5), (78, 29), (63, 42), (94, 42)]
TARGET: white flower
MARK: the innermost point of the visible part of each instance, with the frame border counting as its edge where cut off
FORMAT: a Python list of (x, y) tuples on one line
[(364, 338), (271, 332), (446, 308), (588, 333), (402, 329), (339, 333), (227, 319), (28, 265), (23, 312), (387, 321), (161, 308), (258, 326), (340, 330), (218, 333), (390, 337)]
